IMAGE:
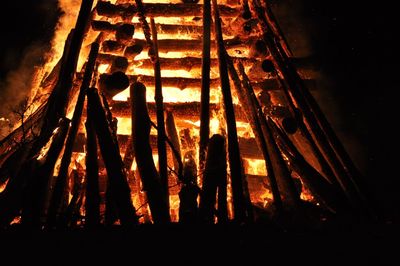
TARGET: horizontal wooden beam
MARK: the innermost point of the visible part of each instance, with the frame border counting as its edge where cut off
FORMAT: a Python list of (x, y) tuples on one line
[(108, 9)]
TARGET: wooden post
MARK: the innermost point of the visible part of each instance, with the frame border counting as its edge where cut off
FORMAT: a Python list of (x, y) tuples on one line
[(144, 155), (214, 178), (205, 84), (237, 172), (92, 203), (117, 180), (62, 179), (188, 209), (158, 97)]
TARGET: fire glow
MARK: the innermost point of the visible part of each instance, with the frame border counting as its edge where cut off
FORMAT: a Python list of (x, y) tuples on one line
[(201, 178)]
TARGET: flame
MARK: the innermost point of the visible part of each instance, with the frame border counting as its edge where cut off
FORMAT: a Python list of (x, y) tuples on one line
[(266, 197), (174, 207), (17, 220), (103, 68), (45, 149), (4, 185), (255, 167)]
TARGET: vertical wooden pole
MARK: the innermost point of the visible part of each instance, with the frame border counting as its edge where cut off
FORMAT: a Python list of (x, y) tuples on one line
[(161, 134), (205, 84), (92, 203), (237, 172), (144, 156)]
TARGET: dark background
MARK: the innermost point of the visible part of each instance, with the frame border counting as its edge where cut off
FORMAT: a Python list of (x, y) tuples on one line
[(356, 50)]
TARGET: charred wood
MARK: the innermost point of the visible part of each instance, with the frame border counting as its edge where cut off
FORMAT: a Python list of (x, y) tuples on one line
[(158, 97), (92, 203), (144, 156), (214, 178), (38, 184), (205, 84), (62, 179), (117, 180), (110, 85), (188, 209), (241, 213), (72, 214), (32, 174)]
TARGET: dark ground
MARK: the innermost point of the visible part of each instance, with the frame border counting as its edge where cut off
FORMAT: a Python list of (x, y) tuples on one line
[(356, 47)]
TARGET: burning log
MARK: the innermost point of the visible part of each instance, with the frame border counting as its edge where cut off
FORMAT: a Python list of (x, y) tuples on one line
[(111, 46), (62, 179), (285, 182), (159, 10), (248, 146), (110, 152), (173, 45), (183, 83), (132, 51), (186, 111), (214, 177), (205, 84), (92, 203), (188, 209), (237, 172), (105, 26), (189, 63), (161, 134), (113, 84), (124, 32), (144, 157)]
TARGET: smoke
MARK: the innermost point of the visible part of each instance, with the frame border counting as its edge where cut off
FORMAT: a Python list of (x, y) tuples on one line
[(25, 47)]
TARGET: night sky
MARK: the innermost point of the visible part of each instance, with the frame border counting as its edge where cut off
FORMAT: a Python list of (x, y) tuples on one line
[(354, 44)]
